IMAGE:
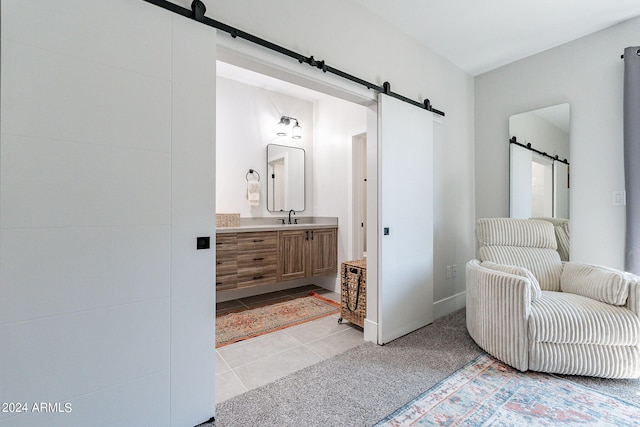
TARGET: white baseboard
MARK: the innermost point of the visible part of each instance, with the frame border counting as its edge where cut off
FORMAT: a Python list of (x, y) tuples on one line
[(370, 331), (331, 282), (449, 305)]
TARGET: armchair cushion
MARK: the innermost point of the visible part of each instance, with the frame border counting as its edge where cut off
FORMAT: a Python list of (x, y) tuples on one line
[(592, 281), (523, 242), (564, 318), (518, 271), (516, 232), (561, 228), (545, 264)]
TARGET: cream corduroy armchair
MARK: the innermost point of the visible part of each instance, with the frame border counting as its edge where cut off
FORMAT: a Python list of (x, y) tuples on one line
[(534, 312)]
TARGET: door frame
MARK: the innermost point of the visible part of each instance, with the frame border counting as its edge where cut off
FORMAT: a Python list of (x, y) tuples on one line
[(255, 58)]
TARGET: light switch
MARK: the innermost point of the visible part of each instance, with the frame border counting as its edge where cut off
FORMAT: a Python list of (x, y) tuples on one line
[(619, 198), (203, 242)]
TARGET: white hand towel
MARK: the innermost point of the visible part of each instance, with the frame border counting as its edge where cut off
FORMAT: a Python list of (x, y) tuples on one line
[(253, 193)]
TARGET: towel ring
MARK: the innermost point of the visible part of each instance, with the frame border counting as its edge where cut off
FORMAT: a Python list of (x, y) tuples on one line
[(254, 173)]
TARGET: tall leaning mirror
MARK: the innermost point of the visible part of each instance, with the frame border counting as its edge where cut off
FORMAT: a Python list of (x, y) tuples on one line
[(540, 163), (285, 178), (539, 168)]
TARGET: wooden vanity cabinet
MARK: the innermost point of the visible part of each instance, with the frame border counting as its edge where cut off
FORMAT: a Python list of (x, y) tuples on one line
[(247, 259), (307, 253)]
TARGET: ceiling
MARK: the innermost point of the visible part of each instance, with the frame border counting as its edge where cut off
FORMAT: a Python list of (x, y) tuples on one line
[(479, 36)]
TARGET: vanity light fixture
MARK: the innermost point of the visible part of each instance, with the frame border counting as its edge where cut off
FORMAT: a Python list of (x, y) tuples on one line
[(296, 130)]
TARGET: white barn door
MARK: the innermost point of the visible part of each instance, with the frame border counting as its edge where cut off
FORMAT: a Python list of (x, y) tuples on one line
[(107, 169), (405, 151), (520, 181)]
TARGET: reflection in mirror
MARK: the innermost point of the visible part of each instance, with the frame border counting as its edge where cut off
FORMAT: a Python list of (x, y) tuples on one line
[(285, 178), (539, 163)]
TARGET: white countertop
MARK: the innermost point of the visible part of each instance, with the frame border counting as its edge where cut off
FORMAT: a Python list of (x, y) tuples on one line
[(274, 224)]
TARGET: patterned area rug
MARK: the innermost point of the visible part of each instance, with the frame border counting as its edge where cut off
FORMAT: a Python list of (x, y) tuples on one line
[(487, 392), (249, 323)]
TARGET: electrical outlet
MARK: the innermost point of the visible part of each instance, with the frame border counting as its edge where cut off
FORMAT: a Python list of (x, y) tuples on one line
[(453, 270), (448, 272)]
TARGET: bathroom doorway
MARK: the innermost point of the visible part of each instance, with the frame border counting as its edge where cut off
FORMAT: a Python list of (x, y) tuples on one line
[(249, 105)]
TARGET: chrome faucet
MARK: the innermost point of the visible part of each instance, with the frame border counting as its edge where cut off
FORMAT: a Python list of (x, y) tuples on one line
[(291, 212)]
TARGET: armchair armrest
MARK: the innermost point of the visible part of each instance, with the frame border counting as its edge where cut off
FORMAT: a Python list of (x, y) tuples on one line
[(498, 308), (603, 284)]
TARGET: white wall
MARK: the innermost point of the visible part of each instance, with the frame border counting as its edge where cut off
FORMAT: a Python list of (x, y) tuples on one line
[(337, 121), (586, 73), (246, 124), (105, 176), (351, 38)]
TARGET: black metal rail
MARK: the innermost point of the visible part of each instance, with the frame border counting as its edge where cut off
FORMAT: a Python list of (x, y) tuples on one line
[(198, 10), (528, 146)]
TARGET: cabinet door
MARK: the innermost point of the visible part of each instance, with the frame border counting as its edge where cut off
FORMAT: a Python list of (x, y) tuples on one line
[(292, 255), (324, 251)]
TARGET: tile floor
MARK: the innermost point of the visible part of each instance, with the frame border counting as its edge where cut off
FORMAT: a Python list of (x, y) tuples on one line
[(252, 363)]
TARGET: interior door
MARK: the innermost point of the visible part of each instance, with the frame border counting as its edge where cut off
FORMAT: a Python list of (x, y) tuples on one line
[(405, 155)]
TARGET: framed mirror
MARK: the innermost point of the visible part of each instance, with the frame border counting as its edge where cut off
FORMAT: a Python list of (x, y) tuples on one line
[(285, 178), (539, 163)]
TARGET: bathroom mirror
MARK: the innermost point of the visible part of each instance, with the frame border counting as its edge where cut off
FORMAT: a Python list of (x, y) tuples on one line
[(539, 160), (285, 178)]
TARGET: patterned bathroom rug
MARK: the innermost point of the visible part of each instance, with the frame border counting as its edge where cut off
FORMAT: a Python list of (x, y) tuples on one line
[(487, 392), (250, 323)]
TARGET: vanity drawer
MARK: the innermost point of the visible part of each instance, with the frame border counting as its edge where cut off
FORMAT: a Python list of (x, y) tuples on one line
[(266, 240), (226, 267), (257, 258), (226, 242), (226, 255), (253, 276), (226, 282)]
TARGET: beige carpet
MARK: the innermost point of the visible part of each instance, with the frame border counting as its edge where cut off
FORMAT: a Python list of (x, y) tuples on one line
[(365, 384)]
